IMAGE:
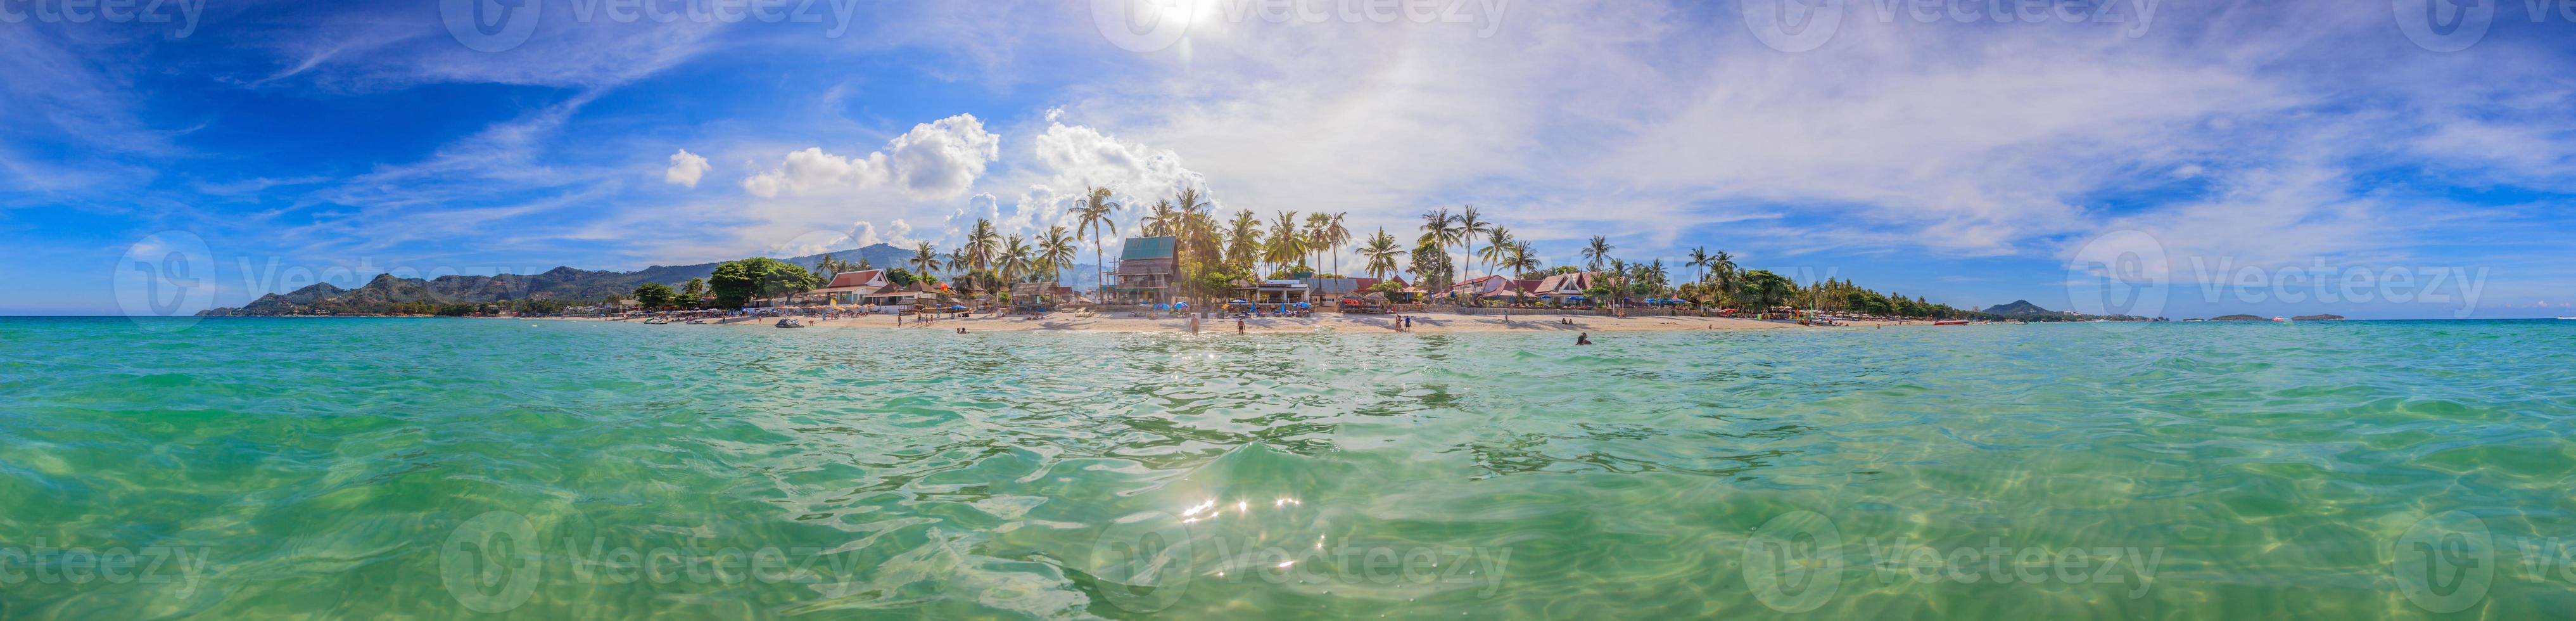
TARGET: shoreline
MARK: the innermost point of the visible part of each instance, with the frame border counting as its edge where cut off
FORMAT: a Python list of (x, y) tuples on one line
[(1424, 323)]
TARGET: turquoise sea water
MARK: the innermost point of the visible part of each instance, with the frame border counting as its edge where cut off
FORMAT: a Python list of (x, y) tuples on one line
[(391, 468)]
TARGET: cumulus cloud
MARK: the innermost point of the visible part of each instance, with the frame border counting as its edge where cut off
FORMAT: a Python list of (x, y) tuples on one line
[(686, 169), (897, 233), (936, 160)]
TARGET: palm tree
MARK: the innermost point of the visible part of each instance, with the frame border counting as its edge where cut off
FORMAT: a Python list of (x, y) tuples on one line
[(1162, 221), (1286, 243), (1497, 248), (1097, 212), (1196, 232), (1383, 255), (924, 258), (1335, 237), (1699, 260), (1055, 249), (1435, 227), (1596, 252), (1521, 260), (1243, 238), (1470, 228), (1016, 259), (1316, 223)]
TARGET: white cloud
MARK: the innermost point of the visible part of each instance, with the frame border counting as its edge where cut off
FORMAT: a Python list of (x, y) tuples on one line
[(936, 160), (686, 169)]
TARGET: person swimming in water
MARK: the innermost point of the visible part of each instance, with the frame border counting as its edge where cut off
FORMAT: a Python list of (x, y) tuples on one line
[(1583, 339)]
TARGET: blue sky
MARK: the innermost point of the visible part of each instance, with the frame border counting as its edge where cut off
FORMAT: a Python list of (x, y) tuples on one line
[(2215, 157)]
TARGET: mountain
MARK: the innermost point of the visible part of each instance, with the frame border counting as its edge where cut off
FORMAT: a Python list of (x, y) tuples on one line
[(2017, 307), (562, 284)]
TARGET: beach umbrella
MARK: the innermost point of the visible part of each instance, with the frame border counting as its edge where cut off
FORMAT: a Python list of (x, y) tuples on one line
[(1180, 305), (1303, 305), (1240, 301)]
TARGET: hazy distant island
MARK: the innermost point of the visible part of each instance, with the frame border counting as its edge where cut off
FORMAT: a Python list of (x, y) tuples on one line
[(2023, 310)]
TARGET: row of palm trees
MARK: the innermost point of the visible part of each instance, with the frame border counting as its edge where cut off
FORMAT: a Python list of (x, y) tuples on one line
[(1212, 253)]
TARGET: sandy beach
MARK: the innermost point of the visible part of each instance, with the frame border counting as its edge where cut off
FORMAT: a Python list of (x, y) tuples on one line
[(1322, 322)]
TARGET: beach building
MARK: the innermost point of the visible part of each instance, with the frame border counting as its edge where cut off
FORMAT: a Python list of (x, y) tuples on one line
[(1278, 291), (1565, 288), (1147, 269), (846, 288), (1496, 287)]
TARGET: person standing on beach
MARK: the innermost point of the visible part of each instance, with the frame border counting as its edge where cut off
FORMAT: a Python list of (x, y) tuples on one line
[(1238, 325)]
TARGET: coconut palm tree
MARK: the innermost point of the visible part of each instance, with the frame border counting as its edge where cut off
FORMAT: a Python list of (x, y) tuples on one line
[(1596, 252), (924, 258), (1383, 255), (1243, 238), (1016, 260), (1287, 244), (1699, 260), (1521, 259), (1316, 239), (1435, 227), (1161, 220), (1057, 248), (1096, 213), (1335, 237), (1468, 230), (1498, 246)]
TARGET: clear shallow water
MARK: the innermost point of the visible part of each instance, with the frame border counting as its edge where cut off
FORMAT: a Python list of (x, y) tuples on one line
[(364, 468)]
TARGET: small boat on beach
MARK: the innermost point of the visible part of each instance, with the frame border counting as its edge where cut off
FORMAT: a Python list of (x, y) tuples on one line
[(790, 322)]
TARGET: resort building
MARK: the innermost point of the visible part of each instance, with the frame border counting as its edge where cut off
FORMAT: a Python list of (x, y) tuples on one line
[(846, 288), (1281, 291), (1147, 267), (1496, 287), (1564, 288)]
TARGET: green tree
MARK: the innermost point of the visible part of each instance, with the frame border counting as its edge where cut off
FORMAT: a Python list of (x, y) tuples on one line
[(1096, 213), (693, 292), (654, 295), (737, 282), (1431, 268), (1382, 254)]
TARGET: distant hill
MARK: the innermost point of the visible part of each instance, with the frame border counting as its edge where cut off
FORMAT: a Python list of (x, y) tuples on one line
[(564, 284), (2016, 308)]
